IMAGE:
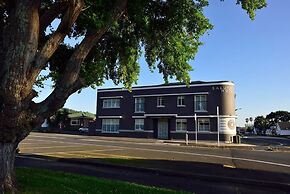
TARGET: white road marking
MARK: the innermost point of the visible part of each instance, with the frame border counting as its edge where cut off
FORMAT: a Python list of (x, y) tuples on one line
[(187, 153), (229, 166)]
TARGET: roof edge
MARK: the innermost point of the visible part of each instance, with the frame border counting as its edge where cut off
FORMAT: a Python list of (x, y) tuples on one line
[(171, 85)]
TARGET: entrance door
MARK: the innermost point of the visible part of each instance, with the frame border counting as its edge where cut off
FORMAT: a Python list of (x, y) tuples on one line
[(162, 129)]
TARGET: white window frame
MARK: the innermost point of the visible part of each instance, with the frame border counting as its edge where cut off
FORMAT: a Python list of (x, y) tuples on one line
[(200, 121), (75, 122), (197, 106), (110, 125), (160, 102), (182, 100), (139, 101), (111, 103), (139, 124), (183, 124)]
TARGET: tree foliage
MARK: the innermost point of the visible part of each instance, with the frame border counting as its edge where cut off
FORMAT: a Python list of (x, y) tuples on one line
[(278, 116), (169, 32), (60, 116), (112, 36), (261, 123), (252, 5)]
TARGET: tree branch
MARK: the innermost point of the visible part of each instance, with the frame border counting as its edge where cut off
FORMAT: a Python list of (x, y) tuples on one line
[(72, 13), (54, 101), (49, 15), (71, 82), (80, 54)]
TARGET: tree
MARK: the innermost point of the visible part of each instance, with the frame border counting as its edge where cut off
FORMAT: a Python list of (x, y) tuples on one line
[(247, 121), (261, 123), (278, 116), (60, 116), (111, 35), (251, 119)]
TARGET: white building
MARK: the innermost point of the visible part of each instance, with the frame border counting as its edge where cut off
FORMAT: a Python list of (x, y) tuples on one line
[(283, 128)]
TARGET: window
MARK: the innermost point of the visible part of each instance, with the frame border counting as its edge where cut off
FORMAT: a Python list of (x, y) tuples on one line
[(139, 124), (111, 103), (180, 101), (200, 103), (139, 104), (181, 124), (110, 125), (203, 125), (160, 102), (74, 122)]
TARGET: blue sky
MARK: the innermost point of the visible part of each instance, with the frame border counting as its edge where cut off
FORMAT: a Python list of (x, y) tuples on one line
[(253, 54)]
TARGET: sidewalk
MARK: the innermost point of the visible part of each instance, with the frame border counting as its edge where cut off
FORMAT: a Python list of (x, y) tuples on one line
[(214, 144), (202, 143)]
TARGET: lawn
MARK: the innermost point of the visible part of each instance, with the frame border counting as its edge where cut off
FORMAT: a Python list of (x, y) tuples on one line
[(43, 181)]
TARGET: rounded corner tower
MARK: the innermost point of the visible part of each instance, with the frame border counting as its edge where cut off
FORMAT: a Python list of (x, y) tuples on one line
[(225, 99)]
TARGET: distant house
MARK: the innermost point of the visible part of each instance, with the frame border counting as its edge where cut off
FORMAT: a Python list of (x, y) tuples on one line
[(241, 130), (80, 119), (283, 128), (45, 124)]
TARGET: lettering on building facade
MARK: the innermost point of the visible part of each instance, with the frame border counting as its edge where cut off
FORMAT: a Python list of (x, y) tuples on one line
[(223, 89)]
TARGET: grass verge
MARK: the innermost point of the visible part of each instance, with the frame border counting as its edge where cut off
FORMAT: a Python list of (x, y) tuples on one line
[(36, 181)]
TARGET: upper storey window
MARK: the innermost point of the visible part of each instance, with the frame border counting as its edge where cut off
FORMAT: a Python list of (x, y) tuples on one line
[(160, 102), (111, 103), (200, 103), (180, 101), (139, 104)]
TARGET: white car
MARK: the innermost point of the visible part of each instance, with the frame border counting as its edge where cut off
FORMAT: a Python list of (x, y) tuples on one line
[(84, 129)]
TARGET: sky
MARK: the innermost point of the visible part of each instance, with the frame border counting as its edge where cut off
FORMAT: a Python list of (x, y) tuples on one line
[(255, 55)]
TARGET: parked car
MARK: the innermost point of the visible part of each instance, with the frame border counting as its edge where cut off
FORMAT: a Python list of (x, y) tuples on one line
[(84, 129)]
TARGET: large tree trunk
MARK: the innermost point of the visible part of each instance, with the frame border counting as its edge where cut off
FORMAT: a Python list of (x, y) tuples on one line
[(22, 57), (7, 174)]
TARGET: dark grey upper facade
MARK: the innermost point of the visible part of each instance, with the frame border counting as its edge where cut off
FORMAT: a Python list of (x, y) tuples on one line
[(167, 111)]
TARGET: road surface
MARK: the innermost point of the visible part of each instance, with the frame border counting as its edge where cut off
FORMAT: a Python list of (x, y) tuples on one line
[(266, 141), (235, 163)]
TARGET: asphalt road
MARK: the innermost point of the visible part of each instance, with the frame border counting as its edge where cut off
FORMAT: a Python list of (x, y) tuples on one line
[(266, 141), (257, 165), (70, 146)]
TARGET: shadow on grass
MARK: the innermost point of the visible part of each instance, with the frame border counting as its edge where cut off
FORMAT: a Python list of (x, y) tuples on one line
[(41, 181), (180, 175)]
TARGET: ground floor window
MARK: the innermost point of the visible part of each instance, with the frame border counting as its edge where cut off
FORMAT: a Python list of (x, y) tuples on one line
[(139, 124), (110, 125), (181, 124), (203, 125), (74, 122)]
